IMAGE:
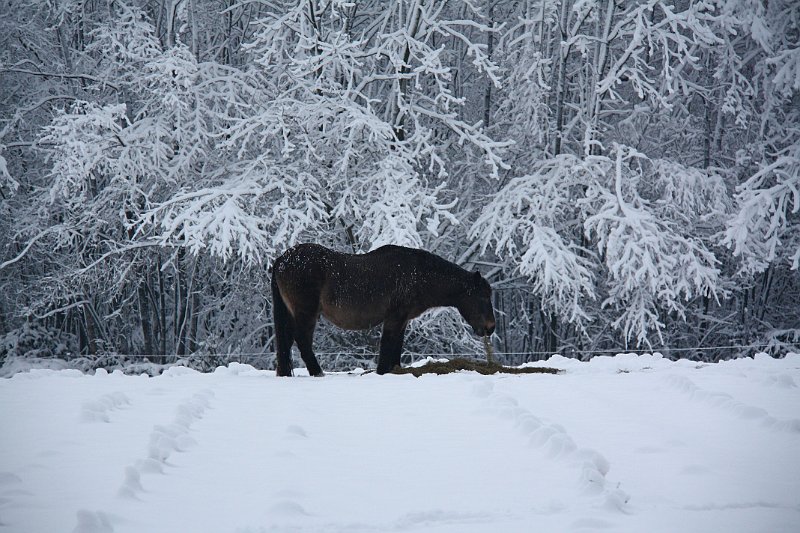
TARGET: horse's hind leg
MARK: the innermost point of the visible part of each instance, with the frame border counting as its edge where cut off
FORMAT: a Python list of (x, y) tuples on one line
[(284, 331), (284, 338), (304, 335)]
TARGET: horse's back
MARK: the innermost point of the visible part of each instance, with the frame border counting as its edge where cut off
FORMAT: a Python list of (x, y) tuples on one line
[(350, 290), (301, 255)]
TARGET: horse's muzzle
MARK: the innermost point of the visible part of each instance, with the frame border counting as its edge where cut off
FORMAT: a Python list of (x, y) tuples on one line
[(486, 330)]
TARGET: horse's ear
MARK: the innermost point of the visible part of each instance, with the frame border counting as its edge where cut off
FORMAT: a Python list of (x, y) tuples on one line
[(476, 276)]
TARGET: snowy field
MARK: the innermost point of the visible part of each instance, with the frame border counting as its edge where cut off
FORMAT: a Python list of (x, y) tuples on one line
[(625, 443)]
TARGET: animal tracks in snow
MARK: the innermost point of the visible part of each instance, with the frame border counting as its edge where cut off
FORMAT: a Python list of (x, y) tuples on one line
[(164, 441), (100, 410), (782, 381), (728, 403), (466, 453), (93, 522), (296, 432), (554, 441)]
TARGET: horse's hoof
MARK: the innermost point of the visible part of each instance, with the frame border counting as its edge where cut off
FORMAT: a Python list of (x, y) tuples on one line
[(320, 374)]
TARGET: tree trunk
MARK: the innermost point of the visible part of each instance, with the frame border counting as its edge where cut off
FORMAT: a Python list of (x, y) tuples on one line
[(601, 56), (561, 88), (181, 303), (162, 310), (91, 330), (549, 326), (487, 97), (145, 316), (192, 337), (193, 15), (412, 27), (171, 7), (155, 314)]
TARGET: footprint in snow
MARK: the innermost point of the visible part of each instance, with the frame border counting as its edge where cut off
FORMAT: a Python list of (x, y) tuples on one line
[(132, 484), (726, 401), (287, 508), (98, 410), (150, 466), (296, 431), (93, 522), (783, 381), (285, 454)]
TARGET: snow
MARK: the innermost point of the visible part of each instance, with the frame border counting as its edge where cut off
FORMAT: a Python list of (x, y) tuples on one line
[(625, 443)]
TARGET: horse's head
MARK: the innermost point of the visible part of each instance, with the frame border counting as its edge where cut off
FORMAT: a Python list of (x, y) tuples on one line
[(476, 305)]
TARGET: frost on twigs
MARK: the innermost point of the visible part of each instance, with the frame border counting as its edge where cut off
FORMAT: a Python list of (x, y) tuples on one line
[(767, 207), (254, 216), (85, 145), (400, 205), (651, 262), (7, 182), (525, 221), (623, 226)]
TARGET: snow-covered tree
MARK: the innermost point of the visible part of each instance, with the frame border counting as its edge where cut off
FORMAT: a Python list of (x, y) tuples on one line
[(364, 109), (762, 96), (536, 221), (186, 160), (644, 218), (624, 172)]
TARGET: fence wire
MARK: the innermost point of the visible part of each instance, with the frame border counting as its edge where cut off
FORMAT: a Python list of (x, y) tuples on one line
[(348, 360)]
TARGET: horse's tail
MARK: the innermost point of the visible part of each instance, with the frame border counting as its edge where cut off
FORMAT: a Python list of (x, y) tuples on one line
[(282, 322)]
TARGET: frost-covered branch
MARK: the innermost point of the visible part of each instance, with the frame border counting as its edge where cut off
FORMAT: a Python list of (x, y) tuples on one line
[(649, 259), (766, 218), (525, 221), (651, 262)]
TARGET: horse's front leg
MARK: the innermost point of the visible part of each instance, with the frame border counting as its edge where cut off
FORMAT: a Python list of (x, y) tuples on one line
[(391, 345), (304, 336)]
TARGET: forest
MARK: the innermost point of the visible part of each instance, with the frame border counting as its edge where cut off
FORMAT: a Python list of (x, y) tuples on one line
[(625, 173)]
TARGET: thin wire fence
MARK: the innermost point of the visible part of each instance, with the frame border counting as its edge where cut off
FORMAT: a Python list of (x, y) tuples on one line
[(641, 351), (348, 360)]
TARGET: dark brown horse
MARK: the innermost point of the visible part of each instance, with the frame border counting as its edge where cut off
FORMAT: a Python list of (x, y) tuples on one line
[(390, 285)]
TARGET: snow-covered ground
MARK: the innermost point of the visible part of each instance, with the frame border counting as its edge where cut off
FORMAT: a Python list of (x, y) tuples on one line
[(623, 443)]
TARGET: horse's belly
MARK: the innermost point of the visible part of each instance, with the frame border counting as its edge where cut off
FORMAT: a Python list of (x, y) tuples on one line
[(350, 319)]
